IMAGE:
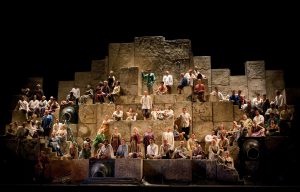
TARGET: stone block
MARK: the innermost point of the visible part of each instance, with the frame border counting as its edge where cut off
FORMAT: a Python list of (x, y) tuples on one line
[(220, 77), (226, 174), (99, 71), (222, 111), (87, 113), (60, 170), (256, 86), (202, 112), (102, 110), (121, 55), (199, 170), (211, 169), (79, 170), (171, 173), (274, 81), (183, 97), (237, 113), (64, 88), (82, 79), (129, 168), (164, 99), (239, 82), (203, 63), (152, 171), (124, 128), (225, 90), (187, 91), (130, 79), (87, 130), (181, 104), (202, 129), (160, 55), (255, 69), (98, 66)]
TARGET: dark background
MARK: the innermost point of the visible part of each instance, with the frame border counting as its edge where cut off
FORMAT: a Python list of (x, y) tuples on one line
[(55, 41)]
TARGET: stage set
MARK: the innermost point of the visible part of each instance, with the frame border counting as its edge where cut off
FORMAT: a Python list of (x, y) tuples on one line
[(257, 160)]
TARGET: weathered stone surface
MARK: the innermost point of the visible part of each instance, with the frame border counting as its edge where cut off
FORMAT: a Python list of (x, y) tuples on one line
[(64, 88), (225, 90), (79, 170), (179, 105), (99, 69), (198, 170), (130, 79), (86, 130), (256, 86), (211, 169), (121, 55), (87, 113), (237, 113), (154, 46), (220, 76), (98, 66), (202, 112), (152, 171), (202, 129), (129, 168), (124, 128), (239, 82), (82, 79), (183, 97), (164, 99), (226, 174), (222, 111), (60, 170), (274, 81), (203, 63), (102, 110), (255, 69), (171, 173), (160, 55)]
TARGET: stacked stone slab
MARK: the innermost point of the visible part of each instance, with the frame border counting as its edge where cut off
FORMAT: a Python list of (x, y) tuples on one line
[(256, 78), (274, 81), (221, 79)]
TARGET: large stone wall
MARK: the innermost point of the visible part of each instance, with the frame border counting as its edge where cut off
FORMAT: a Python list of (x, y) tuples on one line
[(159, 55)]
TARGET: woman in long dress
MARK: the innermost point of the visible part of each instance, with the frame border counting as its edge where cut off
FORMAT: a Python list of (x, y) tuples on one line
[(135, 141), (115, 140), (147, 136)]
